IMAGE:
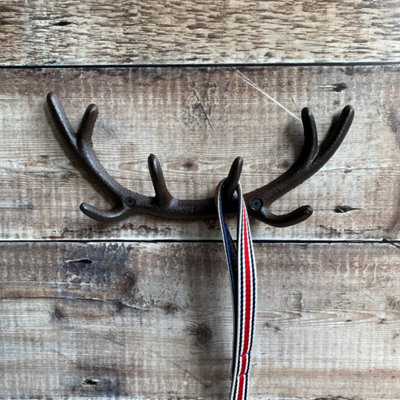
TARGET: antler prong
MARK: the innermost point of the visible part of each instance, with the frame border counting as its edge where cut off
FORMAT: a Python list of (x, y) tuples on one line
[(164, 204), (81, 143), (60, 119), (232, 180), (310, 160), (88, 120), (162, 194), (310, 146), (336, 134)]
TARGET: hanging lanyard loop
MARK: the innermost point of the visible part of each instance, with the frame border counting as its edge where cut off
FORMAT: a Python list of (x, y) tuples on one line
[(242, 268)]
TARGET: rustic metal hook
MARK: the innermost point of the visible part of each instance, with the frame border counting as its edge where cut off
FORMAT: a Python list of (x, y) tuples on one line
[(163, 204)]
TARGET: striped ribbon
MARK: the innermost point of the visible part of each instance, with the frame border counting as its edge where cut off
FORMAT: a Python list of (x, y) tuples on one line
[(242, 268)]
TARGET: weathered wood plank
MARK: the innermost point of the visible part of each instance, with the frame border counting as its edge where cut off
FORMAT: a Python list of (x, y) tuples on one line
[(239, 31), (154, 320), (197, 121)]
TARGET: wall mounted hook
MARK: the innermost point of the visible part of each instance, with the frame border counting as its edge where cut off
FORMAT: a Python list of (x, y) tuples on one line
[(164, 205)]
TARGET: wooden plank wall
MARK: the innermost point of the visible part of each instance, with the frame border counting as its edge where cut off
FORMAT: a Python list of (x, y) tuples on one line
[(205, 31), (141, 309)]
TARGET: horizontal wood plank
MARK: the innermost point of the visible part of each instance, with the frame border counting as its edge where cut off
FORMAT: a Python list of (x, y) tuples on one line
[(197, 120), (154, 320), (237, 31)]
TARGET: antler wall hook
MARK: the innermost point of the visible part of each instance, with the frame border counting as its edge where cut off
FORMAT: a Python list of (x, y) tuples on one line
[(163, 204)]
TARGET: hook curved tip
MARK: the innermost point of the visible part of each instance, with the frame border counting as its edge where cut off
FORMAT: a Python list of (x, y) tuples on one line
[(102, 215), (281, 221)]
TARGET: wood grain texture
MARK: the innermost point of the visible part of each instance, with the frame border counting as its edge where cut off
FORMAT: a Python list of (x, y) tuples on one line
[(197, 120), (154, 321), (236, 31)]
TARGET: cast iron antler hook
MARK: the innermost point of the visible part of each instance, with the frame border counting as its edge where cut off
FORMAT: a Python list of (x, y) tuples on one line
[(163, 204)]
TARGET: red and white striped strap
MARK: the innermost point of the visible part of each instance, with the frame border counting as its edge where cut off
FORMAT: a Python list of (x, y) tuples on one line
[(242, 269)]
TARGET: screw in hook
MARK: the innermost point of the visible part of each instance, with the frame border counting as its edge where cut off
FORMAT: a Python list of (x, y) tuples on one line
[(130, 201), (256, 204)]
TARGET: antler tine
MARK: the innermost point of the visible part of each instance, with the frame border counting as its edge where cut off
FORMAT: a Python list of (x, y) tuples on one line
[(335, 136), (85, 148), (231, 182), (60, 120), (81, 143), (163, 204), (162, 195), (288, 180), (311, 159)]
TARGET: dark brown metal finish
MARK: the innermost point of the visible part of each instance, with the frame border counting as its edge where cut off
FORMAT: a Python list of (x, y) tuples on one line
[(163, 204)]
